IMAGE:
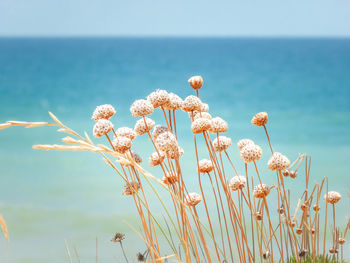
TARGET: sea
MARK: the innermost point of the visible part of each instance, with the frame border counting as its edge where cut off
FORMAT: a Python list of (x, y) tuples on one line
[(54, 200)]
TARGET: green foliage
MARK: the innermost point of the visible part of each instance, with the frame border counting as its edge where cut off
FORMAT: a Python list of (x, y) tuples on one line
[(318, 259)]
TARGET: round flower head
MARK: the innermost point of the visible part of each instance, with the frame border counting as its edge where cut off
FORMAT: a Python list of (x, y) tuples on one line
[(141, 108), (158, 98), (141, 128), (237, 182), (204, 107), (278, 162), (260, 119), (192, 199), (137, 158), (198, 115), (156, 159), (158, 129), (222, 143), (126, 132), (175, 154), (103, 112), (261, 190), (205, 166), (332, 197), (131, 188), (196, 82), (244, 142), (175, 102), (218, 125), (251, 153), (121, 144), (102, 127), (200, 125), (170, 178), (191, 103), (167, 142)]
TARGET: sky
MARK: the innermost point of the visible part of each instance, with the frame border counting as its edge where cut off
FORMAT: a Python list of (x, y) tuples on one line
[(257, 18)]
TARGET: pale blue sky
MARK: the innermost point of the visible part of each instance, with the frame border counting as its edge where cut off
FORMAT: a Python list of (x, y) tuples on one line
[(175, 18)]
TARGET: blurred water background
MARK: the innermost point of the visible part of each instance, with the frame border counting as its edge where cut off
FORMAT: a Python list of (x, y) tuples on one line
[(47, 197)]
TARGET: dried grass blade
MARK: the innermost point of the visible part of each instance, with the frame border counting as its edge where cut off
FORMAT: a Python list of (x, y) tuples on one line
[(88, 138), (19, 123), (38, 124), (5, 125), (4, 228), (56, 119)]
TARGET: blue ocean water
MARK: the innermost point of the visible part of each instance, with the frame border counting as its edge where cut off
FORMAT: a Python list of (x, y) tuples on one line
[(47, 197)]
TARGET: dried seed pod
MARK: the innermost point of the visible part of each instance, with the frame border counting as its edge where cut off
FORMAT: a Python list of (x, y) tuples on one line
[(242, 143), (258, 216), (102, 127), (251, 153), (196, 82), (121, 144), (341, 241), (332, 197), (126, 132), (141, 108), (303, 253), (175, 102), (331, 250), (191, 103), (278, 162), (221, 143), (167, 142), (303, 207), (205, 166), (105, 111), (237, 183), (293, 174), (156, 159), (131, 188), (286, 173), (261, 190), (170, 178), (280, 210), (266, 255), (200, 125), (313, 231), (316, 208), (157, 130), (141, 127), (260, 119), (292, 224), (158, 98), (192, 199), (218, 125), (299, 231)]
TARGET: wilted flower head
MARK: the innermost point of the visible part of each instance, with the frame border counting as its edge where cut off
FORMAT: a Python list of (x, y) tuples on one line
[(278, 162), (158, 98), (105, 111), (244, 142), (170, 178), (204, 107), (126, 132), (205, 166), (251, 153), (175, 154), (118, 237), (166, 141), (196, 82), (332, 197), (192, 199), (198, 115), (260, 119), (218, 125), (261, 190), (102, 127), (141, 128), (200, 125), (175, 102), (156, 159), (131, 188), (221, 143), (191, 103), (141, 108), (158, 129), (121, 144), (237, 182)]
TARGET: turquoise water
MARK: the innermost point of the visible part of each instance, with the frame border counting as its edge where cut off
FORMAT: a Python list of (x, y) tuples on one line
[(47, 197)]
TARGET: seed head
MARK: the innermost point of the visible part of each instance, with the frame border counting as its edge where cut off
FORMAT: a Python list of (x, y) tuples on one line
[(332, 197), (260, 119), (196, 82), (286, 173), (156, 159), (316, 208), (141, 108), (122, 144), (304, 207), (175, 154), (261, 190), (140, 257), (218, 125), (237, 183), (102, 127), (198, 115), (331, 250), (175, 102), (105, 111), (258, 216), (278, 162), (299, 231), (137, 158), (158, 98), (266, 255), (158, 129), (341, 241), (118, 237), (140, 127), (192, 199), (251, 153), (293, 174), (221, 143), (131, 188), (167, 142), (170, 178), (205, 107), (243, 142), (191, 103), (205, 166), (200, 125), (126, 132)]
